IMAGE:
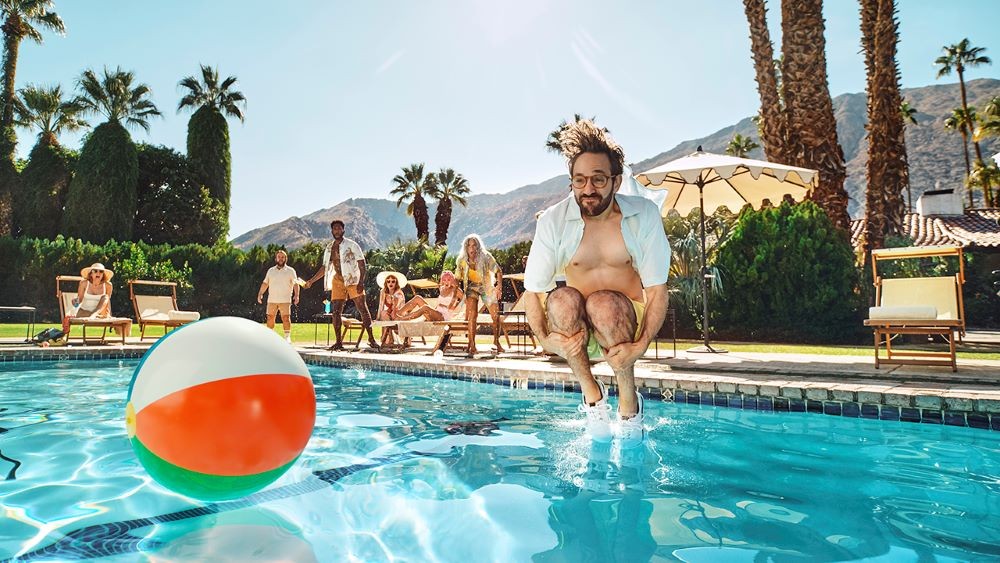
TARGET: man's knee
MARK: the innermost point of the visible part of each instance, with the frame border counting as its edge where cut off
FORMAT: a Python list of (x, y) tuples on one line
[(608, 310), (565, 304)]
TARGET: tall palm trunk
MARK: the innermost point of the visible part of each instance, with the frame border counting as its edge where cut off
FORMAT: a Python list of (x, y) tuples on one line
[(442, 221), (772, 131), (12, 34), (886, 171), (420, 217), (812, 127), (968, 165)]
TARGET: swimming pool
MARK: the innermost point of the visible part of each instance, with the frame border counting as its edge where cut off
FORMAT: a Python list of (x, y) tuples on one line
[(422, 469)]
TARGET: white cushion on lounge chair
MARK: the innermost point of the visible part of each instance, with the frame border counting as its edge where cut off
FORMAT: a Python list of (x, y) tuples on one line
[(901, 312), (186, 316)]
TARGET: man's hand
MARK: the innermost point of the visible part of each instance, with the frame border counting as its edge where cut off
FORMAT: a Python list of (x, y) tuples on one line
[(624, 355), (309, 284), (563, 345), (360, 288), (260, 299), (295, 300)]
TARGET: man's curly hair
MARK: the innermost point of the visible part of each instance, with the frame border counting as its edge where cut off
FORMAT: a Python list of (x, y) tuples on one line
[(585, 136)]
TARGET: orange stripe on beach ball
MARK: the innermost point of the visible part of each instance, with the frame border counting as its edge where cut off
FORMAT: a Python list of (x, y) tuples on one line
[(235, 426)]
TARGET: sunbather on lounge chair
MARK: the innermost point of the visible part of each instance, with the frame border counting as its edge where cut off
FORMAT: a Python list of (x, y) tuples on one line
[(93, 298), (390, 298), (448, 305)]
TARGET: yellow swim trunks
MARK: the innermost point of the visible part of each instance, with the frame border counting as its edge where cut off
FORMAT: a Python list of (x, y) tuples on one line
[(594, 349)]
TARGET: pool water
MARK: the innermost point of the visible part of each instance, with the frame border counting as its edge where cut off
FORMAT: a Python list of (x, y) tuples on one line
[(407, 468)]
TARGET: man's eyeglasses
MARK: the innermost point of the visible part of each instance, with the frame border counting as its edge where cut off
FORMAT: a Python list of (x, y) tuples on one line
[(598, 181)]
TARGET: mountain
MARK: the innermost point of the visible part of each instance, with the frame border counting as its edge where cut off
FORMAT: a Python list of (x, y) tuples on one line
[(935, 154)]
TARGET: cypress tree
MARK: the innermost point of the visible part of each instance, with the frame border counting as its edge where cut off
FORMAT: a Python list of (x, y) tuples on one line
[(102, 195)]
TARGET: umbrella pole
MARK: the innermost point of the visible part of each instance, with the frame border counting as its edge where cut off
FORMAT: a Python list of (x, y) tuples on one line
[(707, 347)]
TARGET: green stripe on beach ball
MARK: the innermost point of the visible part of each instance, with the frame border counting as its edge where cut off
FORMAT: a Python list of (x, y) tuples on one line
[(202, 485)]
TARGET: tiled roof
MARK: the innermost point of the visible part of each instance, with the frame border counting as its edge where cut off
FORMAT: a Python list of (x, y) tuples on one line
[(977, 228)]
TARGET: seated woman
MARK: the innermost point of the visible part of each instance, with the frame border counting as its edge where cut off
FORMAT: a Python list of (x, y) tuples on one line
[(93, 297), (390, 300), (449, 302)]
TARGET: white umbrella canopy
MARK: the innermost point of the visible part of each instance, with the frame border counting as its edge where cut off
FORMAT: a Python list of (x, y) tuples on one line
[(708, 181), (726, 181)]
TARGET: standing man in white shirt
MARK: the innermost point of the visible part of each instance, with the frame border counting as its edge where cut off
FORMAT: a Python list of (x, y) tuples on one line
[(615, 256), (343, 272), (282, 291)]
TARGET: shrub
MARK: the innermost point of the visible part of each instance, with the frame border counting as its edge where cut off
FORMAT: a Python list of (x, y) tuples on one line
[(102, 194), (44, 184), (790, 275)]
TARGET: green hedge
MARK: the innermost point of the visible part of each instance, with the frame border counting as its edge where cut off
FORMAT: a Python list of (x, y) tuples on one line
[(789, 275)]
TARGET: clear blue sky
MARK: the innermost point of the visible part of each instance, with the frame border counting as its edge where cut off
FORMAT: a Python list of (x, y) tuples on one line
[(343, 94)]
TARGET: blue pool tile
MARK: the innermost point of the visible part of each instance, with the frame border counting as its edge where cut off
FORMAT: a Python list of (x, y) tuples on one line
[(995, 422), (907, 414), (765, 404), (954, 419), (720, 400), (749, 403), (814, 406), (796, 405), (977, 420), (832, 408), (680, 396), (532, 384), (869, 411), (851, 409), (694, 398), (930, 416), (736, 402), (780, 404), (889, 413), (550, 386)]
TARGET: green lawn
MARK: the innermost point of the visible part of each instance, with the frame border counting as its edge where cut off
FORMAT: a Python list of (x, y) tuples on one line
[(302, 333)]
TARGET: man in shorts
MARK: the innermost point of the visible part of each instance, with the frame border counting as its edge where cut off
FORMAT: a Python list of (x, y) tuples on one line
[(615, 256), (343, 272), (282, 292)]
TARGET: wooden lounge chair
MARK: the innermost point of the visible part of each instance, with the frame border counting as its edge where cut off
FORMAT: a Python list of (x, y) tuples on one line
[(515, 319), (455, 334), (122, 325), (930, 306), (157, 310), (419, 328)]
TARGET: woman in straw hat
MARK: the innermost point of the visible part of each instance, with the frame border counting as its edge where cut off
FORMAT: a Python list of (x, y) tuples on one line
[(390, 298), (93, 297)]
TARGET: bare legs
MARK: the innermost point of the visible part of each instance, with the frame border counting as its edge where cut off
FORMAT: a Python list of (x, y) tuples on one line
[(611, 316), (366, 319)]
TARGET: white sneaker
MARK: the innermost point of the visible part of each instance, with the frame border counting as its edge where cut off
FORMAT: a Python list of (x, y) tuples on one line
[(630, 430), (288, 339), (598, 416)]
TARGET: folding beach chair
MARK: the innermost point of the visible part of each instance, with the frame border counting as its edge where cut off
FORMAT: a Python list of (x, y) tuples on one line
[(66, 307), (930, 306), (157, 310)]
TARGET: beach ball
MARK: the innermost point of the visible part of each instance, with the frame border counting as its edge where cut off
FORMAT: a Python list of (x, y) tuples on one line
[(220, 408)]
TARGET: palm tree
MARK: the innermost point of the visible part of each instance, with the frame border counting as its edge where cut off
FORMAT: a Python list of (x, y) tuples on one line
[(410, 187), (448, 187), (102, 195), (741, 146), (45, 109), (989, 125), (983, 177), (958, 57), (960, 120), (886, 172), (208, 132), (771, 122), (811, 125), (22, 19), (38, 204)]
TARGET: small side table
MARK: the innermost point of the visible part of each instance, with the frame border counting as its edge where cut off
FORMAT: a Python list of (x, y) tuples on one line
[(325, 318), (29, 312)]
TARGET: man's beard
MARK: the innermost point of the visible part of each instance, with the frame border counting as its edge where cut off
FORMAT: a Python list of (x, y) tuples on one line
[(596, 210)]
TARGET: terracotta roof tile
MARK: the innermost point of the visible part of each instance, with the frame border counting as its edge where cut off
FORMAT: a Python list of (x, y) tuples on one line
[(976, 228)]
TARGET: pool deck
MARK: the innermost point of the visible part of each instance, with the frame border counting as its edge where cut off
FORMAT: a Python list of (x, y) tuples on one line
[(835, 385)]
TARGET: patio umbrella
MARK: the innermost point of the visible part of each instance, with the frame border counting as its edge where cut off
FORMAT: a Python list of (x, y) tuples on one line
[(709, 181)]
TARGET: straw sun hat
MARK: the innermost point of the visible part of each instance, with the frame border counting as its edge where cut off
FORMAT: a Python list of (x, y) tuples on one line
[(108, 274), (400, 278)]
